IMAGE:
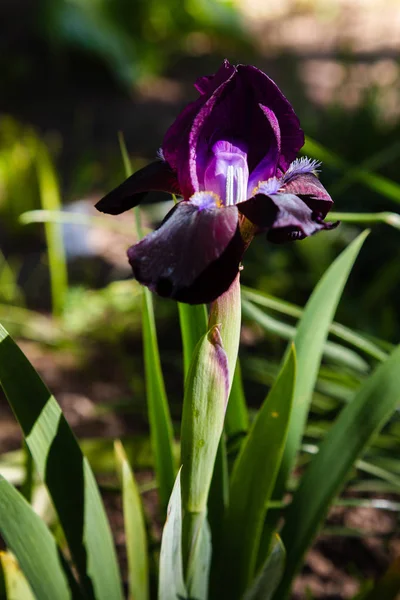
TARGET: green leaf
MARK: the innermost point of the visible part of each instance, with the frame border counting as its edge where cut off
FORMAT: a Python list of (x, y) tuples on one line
[(266, 582), (171, 583), (66, 473), (386, 187), (50, 199), (206, 394), (33, 545), (193, 322), (252, 483), (157, 404), (331, 350), (135, 529), (389, 218), (237, 417), (161, 430), (345, 334), (199, 564), (16, 586), (309, 341), (343, 444)]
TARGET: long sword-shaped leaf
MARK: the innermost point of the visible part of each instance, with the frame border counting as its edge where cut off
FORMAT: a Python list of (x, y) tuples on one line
[(157, 404), (336, 353), (309, 341), (161, 430), (171, 585), (326, 474), (252, 483), (65, 471), (346, 334), (33, 545), (135, 530)]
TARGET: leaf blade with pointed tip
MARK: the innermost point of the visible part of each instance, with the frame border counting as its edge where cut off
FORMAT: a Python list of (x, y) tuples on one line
[(376, 400), (309, 340), (33, 545), (64, 470), (135, 530)]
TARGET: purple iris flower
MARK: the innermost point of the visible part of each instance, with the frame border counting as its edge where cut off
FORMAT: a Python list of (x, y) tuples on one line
[(231, 155)]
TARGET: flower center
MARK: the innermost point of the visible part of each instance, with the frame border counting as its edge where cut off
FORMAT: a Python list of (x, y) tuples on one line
[(227, 172)]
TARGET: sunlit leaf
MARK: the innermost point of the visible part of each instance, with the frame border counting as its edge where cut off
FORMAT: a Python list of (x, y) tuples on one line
[(135, 530), (171, 584), (63, 468), (252, 483), (33, 545), (343, 444)]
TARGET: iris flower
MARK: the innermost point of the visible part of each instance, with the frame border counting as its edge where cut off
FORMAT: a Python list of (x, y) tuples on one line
[(231, 156)]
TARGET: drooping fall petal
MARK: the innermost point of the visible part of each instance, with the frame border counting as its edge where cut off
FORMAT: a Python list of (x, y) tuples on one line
[(194, 255), (155, 177)]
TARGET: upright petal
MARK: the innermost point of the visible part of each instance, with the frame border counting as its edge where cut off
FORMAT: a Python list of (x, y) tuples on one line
[(194, 255), (178, 134), (207, 84), (267, 93), (155, 177), (267, 167)]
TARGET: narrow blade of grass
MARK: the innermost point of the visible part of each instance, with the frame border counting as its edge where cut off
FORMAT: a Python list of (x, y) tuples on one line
[(50, 199), (157, 404), (161, 430), (346, 334), (331, 350), (35, 548), (377, 183), (252, 483), (389, 218), (326, 473), (135, 530), (66, 473)]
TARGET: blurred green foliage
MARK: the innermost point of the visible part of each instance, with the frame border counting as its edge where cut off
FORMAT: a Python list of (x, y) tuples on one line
[(140, 37)]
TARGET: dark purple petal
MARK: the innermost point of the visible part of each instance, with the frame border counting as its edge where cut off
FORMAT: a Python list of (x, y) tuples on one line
[(207, 84), (260, 210), (194, 255), (309, 188), (232, 115), (155, 177), (264, 91), (178, 134), (294, 219), (266, 168)]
